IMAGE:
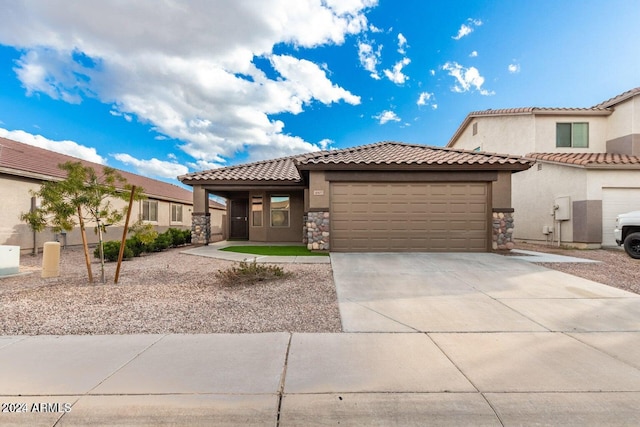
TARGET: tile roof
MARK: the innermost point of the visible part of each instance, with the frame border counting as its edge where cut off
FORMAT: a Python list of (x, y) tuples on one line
[(396, 153), (590, 160), (26, 160), (539, 110), (382, 153), (619, 98), (283, 169)]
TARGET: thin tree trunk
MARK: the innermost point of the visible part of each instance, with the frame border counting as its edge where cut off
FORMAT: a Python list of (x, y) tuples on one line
[(84, 244), (124, 234), (101, 246)]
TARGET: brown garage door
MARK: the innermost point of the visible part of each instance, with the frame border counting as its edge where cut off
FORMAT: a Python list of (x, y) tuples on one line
[(438, 217)]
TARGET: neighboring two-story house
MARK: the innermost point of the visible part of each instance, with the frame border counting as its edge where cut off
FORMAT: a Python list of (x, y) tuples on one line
[(587, 171)]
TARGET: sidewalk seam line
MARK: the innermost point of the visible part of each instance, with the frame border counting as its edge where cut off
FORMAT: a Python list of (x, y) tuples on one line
[(283, 379), (123, 365)]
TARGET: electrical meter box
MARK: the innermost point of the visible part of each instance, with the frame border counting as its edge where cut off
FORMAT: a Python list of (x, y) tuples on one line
[(563, 210)]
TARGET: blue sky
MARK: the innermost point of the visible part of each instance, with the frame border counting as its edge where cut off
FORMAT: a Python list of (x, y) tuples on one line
[(166, 88)]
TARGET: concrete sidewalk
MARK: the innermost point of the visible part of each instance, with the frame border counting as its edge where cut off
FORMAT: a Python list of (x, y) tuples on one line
[(431, 339)]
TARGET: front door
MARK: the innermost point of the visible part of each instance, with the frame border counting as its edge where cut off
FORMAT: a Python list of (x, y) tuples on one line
[(239, 224)]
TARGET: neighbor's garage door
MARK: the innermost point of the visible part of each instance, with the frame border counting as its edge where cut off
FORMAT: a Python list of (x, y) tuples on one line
[(614, 202), (442, 217)]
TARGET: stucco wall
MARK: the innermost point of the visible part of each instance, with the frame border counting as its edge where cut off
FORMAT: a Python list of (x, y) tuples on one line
[(534, 193), (545, 134), (625, 120), (522, 134), (500, 134), (267, 233), (536, 190), (318, 193), (14, 192)]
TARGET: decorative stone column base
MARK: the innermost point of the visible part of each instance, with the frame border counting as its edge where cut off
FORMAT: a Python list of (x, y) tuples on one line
[(200, 228), (503, 229), (316, 231)]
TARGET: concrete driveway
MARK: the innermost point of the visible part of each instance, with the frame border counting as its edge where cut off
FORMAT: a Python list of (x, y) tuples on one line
[(533, 345)]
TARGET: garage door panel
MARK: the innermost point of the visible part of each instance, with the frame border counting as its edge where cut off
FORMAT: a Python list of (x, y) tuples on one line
[(409, 216)]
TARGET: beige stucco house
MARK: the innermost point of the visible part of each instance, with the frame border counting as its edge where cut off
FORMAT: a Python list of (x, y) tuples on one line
[(587, 171), (387, 196), (24, 167)]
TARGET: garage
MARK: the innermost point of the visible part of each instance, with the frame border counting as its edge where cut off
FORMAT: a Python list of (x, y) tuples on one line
[(614, 202), (410, 217)]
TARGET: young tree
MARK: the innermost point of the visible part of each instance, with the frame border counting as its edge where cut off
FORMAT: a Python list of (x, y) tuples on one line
[(83, 196)]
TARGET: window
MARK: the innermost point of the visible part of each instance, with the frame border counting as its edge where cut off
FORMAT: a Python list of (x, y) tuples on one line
[(149, 210), (475, 128), (279, 211), (574, 135), (176, 213), (256, 211)]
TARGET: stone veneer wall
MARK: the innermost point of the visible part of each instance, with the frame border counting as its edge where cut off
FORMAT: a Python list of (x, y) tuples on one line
[(503, 230), (200, 228), (316, 231)]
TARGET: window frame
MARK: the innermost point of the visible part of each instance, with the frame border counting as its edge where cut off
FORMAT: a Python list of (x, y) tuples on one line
[(149, 203), (287, 210), (255, 223), (571, 135), (176, 205)]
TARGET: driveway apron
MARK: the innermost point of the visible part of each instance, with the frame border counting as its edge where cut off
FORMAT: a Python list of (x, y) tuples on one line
[(540, 346)]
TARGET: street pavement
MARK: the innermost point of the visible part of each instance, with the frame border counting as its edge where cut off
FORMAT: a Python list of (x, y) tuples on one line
[(429, 339)]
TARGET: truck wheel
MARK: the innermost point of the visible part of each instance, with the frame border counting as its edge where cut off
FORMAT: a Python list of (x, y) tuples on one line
[(632, 245)]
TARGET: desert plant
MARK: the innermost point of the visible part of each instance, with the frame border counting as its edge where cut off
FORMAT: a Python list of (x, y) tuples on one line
[(162, 242), (250, 273), (82, 196), (112, 250), (177, 237)]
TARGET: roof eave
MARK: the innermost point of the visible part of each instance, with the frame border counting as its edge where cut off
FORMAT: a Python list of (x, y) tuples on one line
[(248, 182), (420, 167)]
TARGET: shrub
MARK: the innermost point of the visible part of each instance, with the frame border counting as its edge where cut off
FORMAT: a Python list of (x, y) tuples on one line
[(249, 273), (162, 242), (145, 233), (177, 237), (136, 246), (112, 250)]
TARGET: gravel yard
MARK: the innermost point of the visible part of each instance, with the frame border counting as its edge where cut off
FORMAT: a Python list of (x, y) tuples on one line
[(165, 292), (616, 268)]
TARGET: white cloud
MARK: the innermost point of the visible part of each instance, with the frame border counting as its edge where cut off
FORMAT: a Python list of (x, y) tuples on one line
[(370, 58), (467, 28), (514, 68), (70, 148), (153, 167), (473, 54), (202, 165), (396, 75), (432, 72), (197, 83), (326, 144), (427, 98), (402, 44), (387, 116), (127, 117), (466, 78)]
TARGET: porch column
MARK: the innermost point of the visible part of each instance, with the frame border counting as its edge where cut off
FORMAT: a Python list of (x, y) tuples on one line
[(200, 218)]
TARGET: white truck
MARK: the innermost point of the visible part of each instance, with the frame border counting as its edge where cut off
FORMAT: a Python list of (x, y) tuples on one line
[(627, 233)]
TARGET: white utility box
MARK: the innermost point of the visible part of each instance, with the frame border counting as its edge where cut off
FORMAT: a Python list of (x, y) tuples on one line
[(9, 260)]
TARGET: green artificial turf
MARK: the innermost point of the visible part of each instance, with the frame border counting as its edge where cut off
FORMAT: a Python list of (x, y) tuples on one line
[(274, 250)]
